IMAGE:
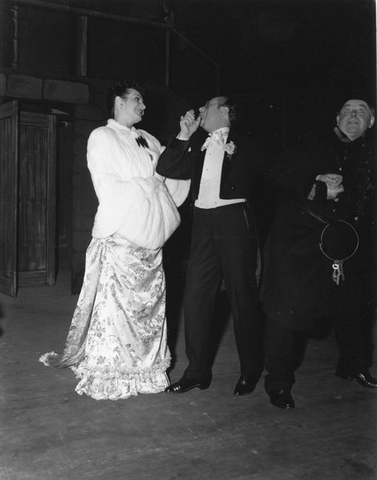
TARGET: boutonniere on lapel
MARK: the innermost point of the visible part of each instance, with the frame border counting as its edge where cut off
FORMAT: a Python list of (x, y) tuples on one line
[(230, 149), (217, 138)]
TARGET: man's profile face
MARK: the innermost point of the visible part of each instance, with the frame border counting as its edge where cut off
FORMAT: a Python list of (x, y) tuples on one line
[(211, 115), (355, 118)]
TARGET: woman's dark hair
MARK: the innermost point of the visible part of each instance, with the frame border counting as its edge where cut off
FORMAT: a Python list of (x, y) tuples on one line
[(121, 89), (235, 111)]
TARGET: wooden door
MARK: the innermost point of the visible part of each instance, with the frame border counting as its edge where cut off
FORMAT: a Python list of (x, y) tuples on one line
[(8, 197), (37, 199), (27, 198)]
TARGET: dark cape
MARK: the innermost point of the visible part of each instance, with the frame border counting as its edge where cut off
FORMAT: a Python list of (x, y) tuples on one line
[(297, 285)]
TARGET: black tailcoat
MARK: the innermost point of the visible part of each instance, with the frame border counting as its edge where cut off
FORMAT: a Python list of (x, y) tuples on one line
[(240, 173), (223, 246)]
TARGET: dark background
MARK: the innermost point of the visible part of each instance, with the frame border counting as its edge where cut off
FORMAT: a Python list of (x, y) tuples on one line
[(291, 63), (317, 51)]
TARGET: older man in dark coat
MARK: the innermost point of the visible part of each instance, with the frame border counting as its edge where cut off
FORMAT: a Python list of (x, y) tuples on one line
[(319, 253)]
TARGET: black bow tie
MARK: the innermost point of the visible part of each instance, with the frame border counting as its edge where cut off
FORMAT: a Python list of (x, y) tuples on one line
[(142, 142)]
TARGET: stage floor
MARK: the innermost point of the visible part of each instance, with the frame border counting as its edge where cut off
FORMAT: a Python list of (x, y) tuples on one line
[(48, 432)]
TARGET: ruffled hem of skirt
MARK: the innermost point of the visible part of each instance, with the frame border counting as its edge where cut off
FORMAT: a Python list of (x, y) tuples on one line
[(118, 385), (107, 383)]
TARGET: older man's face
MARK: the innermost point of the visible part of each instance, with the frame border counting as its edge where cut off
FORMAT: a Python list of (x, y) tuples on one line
[(355, 118)]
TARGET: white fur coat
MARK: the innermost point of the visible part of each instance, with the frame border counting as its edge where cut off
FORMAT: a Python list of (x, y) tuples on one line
[(134, 201)]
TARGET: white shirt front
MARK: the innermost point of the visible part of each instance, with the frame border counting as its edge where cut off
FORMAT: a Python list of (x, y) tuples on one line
[(209, 190)]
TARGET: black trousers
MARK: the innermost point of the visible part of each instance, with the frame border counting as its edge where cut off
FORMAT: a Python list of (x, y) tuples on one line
[(223, 246), (285, 350)]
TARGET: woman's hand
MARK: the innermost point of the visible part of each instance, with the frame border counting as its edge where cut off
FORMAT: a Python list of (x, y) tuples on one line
[(188, 125)]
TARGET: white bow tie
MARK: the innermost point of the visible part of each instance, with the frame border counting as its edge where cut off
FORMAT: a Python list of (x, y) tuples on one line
[(216, 137)]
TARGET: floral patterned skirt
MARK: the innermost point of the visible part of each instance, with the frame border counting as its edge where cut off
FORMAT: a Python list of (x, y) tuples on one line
[(117, 341)]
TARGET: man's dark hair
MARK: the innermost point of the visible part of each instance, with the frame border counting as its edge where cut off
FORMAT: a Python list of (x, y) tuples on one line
[(359, 97), (121, 89), (235, 110)]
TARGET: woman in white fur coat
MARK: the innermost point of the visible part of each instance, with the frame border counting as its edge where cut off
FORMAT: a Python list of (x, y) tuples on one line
[(117, 342)]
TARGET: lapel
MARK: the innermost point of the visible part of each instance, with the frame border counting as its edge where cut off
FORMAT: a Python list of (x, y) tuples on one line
[(229, 160), (197, 169)]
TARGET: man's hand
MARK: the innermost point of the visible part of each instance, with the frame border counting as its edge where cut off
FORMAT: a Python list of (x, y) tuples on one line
[(188, 125), (333, 192), (334, 184), (331, 179)]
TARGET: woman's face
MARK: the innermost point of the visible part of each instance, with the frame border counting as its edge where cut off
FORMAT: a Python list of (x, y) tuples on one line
[(131, 108)]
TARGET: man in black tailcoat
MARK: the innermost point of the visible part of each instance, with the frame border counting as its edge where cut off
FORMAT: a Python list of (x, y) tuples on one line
[(224, 243), (319, 254)]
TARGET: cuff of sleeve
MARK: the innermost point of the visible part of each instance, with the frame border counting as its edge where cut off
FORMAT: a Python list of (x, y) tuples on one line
[(182, 137), (176, 142)]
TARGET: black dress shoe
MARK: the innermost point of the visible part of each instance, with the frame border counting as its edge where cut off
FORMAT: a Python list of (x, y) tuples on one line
[(186, 384), (245, 385), (281, 399), (363, 378)]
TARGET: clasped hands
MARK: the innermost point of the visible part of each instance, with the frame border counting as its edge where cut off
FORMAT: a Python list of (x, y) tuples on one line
[(334, 184), (189, 124)]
